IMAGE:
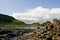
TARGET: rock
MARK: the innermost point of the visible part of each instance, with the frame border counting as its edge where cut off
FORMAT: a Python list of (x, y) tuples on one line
[(51, 32)]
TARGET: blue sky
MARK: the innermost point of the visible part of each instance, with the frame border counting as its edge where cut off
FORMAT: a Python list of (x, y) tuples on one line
[(10, 6), (31, 11)]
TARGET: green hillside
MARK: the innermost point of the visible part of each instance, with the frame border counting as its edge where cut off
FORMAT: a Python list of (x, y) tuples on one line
[(5, 19), (35, 24)]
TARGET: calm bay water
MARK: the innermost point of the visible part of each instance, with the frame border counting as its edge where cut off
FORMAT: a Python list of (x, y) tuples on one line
[(15, 38)]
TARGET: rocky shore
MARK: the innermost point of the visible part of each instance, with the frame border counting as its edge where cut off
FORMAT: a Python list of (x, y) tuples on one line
[(50, 32)]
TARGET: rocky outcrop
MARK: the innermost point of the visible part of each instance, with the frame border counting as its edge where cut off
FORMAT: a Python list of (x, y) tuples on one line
[(50, 32)]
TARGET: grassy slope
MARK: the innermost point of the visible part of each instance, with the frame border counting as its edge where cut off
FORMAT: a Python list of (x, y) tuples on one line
[(9, 20)]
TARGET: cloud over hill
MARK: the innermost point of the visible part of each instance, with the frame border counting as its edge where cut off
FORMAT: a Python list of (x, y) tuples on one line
[(38, 14)]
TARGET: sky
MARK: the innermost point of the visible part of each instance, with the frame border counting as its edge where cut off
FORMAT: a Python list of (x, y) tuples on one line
[(31, 11)]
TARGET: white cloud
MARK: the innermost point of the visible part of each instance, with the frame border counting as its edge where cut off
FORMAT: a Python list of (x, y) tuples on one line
[(38, 14)]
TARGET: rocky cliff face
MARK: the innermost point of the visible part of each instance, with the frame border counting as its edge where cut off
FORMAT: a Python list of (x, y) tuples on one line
[(50, 32)]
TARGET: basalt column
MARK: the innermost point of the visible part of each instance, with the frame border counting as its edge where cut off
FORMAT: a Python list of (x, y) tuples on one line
[(55, 22)]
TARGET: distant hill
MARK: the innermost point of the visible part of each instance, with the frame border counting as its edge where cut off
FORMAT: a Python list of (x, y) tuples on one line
[(35, 24), (5, 19)]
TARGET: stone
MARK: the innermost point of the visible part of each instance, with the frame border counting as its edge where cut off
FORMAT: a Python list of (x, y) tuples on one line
[(50, 32)]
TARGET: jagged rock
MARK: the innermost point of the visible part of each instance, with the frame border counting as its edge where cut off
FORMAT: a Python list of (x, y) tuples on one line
[(50, 32)]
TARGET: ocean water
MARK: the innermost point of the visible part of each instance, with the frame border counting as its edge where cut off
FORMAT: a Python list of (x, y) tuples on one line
[(15, 38)]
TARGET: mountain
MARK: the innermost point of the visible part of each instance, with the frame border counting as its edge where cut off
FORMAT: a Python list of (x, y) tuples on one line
[(5, 19)]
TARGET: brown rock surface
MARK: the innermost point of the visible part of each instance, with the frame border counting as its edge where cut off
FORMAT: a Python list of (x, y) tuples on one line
[(50, 32)]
